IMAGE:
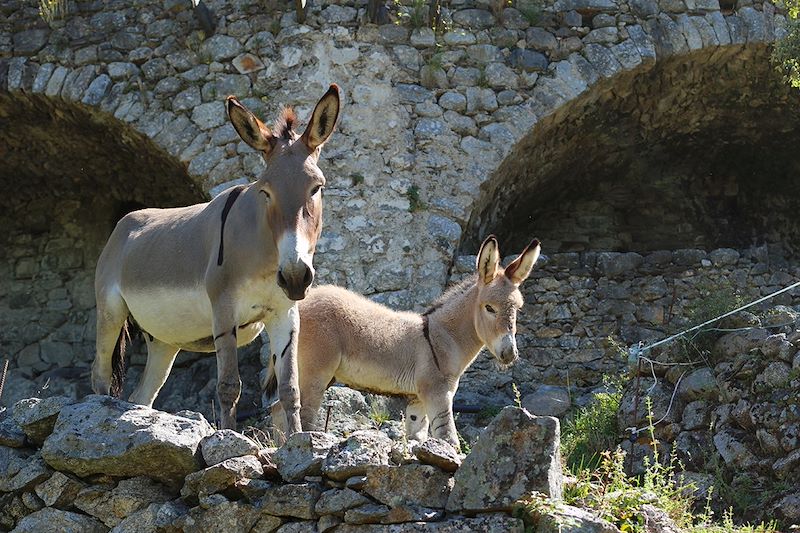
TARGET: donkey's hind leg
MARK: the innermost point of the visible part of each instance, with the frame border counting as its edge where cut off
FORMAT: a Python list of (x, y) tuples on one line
[(160, 357), (111, 316)]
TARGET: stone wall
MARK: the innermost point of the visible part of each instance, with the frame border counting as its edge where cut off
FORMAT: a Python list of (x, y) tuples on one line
[(103, 464), (499, 120)]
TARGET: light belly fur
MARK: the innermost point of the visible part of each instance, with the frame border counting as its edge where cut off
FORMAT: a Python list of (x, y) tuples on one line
[(182, 317)]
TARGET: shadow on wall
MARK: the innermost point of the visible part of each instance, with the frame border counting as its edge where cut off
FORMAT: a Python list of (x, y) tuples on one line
[(68, 174), (692, 151)]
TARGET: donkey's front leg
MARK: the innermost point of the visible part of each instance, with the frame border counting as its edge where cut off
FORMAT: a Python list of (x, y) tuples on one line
[(283, 332), (229, 386), (439, 407)]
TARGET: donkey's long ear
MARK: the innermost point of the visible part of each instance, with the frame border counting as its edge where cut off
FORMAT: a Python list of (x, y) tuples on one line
[(323, 119), (488, 260), (250, 129), (520, 268)]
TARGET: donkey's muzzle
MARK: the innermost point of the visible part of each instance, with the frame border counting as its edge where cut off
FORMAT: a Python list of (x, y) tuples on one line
[(296, 284), (508, 350)]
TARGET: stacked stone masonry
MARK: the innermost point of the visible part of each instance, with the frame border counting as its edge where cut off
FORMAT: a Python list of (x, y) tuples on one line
[(448, 136)]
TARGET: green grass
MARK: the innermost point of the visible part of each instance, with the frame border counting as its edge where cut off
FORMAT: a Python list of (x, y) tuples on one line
[(414, 201), (591, 431), (378, 414)]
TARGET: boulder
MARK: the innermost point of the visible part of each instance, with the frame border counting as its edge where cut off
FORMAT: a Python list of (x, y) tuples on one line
[(296, 501), (412, 484), (547, 400), (102, 435), (155, 517), (516, 454), (657, 520), (560, 518), (302, 454), (21, 470), (438, 453), (37, 416), (337, 501), (49, 519), (225, 444), (222, 515), (59, 491), (114, 505), (11, 434), (355, 455), (222, 476)]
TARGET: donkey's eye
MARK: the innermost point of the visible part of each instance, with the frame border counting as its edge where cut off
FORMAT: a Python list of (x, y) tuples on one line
[(315, 190), (490, 309), (267, 197)]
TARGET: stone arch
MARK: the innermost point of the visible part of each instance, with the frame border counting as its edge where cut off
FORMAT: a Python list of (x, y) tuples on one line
[(70, 171), (679, 137)]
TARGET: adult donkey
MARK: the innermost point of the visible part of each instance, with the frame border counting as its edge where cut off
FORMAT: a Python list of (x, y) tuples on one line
[(209, 277)]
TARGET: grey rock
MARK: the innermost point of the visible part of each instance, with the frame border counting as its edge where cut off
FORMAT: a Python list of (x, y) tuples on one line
[(37, 416), (21, 470), (465, 76), (222, 476), (657, 520), (729, 443), (371, 513), (355, 455), (11, 433), (484, 53), (337, 501), (776, 375), (28, 42), (232, 84), (338, 14), (517, 453), (459, 37), (59, 490), (220, 47), (453, 101), (49, 519), (122, 70), (220, 515), (296, 501), (411, 484), (696, 415), (155, 517), (302, 454), (225, 444), (500, 76), (547, 400), (609, 35), (114, 505), (480, 100), (698, 384), (97, 90), (423, 37), (187, 99), (529, 60), (561, 518), (412, 94), (42, 77), (433, 77), (156, 68), (428, 128), (209, 115), (328, 522), (393, 34), (108, 436), (438, 453), (474, 18)]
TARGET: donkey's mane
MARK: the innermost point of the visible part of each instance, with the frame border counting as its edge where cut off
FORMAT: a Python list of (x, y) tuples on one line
[(454, 290), (284, 125)]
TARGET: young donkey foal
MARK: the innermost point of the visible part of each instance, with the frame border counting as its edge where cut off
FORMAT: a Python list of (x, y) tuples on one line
[(209, 277), (347, 338)]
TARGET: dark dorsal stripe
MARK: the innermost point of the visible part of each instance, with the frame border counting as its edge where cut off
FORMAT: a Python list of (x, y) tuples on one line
[(427, 333), (291, 336), (225, 210)]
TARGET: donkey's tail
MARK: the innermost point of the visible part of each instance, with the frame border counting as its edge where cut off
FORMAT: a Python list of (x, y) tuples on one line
[(118, 367), (269, 386)]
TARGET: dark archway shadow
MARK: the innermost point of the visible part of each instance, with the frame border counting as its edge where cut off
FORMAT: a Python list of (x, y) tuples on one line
[(697, 150)]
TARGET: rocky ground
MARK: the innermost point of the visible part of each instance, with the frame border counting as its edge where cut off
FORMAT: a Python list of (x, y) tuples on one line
[(102, 464)]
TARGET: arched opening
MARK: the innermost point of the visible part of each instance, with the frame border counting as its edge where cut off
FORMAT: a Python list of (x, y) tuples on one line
[(68, 174), (695, 151)]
